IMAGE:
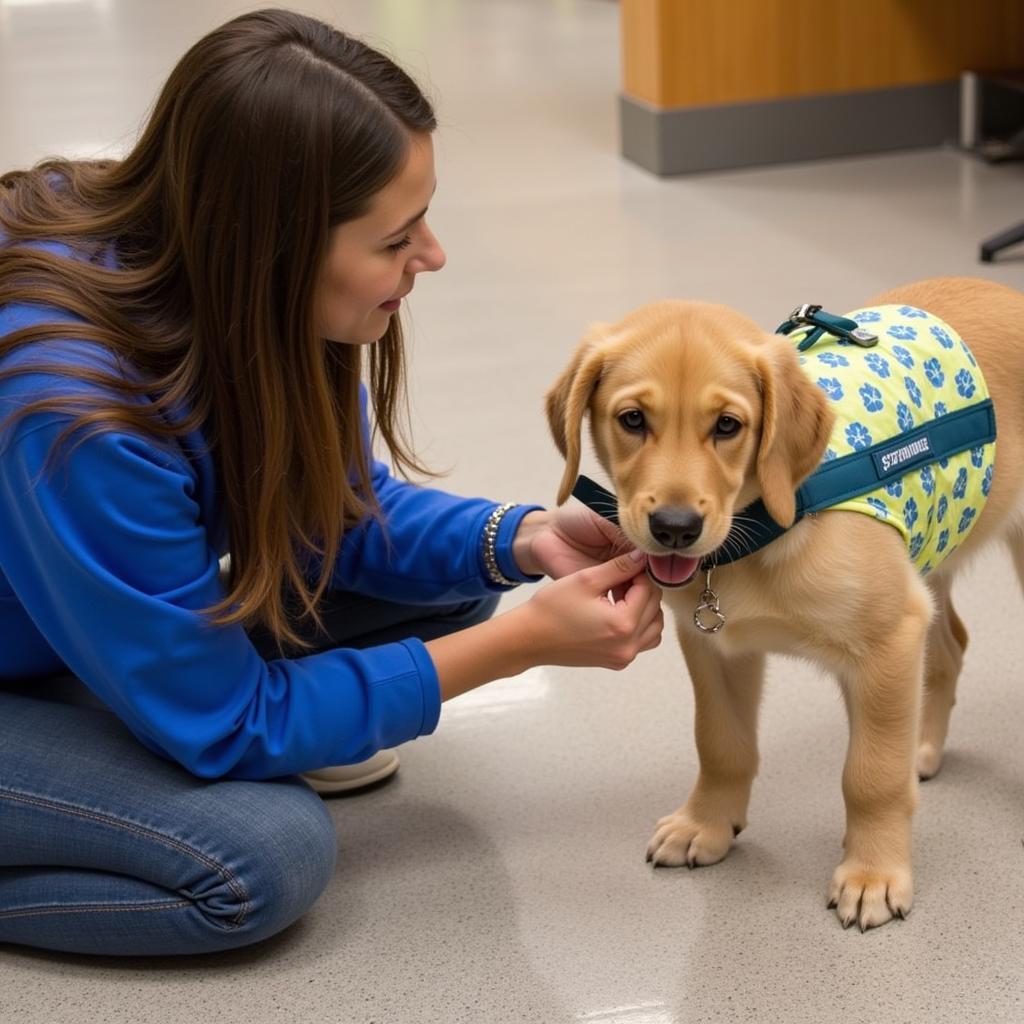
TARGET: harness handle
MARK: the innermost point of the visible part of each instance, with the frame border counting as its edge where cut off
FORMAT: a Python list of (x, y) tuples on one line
[(809, 315)]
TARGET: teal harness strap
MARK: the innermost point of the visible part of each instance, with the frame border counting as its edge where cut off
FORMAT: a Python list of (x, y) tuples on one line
[(866, 470), (862, 472), (841, 479)]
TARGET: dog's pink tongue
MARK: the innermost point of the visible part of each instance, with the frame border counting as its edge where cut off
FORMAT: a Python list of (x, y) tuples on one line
[(672, 569)]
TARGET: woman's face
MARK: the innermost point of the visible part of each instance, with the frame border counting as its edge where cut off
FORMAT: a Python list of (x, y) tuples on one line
[(371, 261)]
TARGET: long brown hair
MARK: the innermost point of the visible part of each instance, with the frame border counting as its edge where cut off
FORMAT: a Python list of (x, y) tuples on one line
[(271, 130)]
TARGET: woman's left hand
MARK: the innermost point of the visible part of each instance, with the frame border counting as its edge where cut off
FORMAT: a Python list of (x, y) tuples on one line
[(563, 541)]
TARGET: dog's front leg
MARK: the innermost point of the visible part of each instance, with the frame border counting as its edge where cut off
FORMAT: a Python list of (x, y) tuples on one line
[(874, 882), (727, 695)]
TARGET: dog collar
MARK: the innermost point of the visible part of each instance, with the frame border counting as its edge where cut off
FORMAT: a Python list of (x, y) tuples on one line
[(759, 529)]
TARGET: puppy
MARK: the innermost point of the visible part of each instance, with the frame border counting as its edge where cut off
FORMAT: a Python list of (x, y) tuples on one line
[(696, 413)]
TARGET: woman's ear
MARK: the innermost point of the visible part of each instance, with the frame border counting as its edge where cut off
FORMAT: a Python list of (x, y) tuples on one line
[(796, 422), (567, 401)]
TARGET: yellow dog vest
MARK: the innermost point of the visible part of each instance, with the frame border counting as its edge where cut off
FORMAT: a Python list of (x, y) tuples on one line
[(921, 370)]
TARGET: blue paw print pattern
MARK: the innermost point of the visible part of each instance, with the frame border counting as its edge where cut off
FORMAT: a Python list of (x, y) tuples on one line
[(903, 356), (966, 519), (942, 507), (916, 544), (877, 364), (832, 387), (912, 312), (926, 568), (978, 457), (910, 513), (960, 486), (965, 383), (940, 409), (986, 481), (933, 371), (871, 397), (902, 332), (880, 507), (833, 359), (867, 316), (858, 436), (830, 455), (895, 488), (913, 390), (904, 417), (928, 480), (943, 541), (942, 337)]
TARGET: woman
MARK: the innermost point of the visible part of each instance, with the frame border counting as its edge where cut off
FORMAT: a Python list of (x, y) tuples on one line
[(182, 341)]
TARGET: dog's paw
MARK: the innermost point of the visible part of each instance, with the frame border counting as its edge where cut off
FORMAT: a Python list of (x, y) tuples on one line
[(929, 758), (679, 839), (869, 897)]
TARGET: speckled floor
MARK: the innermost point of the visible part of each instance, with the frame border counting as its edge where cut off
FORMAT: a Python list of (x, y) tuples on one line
[(501, 875)]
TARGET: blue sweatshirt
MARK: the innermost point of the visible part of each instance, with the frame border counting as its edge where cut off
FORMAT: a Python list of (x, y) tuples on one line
[(107, 559)]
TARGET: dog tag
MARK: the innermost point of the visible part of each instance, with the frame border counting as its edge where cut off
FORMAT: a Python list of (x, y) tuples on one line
[(708, 618)]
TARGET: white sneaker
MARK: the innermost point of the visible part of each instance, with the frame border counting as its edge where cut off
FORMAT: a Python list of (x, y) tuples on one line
[(345, 778)]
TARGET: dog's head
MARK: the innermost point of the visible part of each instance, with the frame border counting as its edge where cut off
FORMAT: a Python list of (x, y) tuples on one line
[(694, 413)]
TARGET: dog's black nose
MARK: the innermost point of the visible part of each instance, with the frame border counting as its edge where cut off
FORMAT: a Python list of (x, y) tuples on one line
[(675, 527)]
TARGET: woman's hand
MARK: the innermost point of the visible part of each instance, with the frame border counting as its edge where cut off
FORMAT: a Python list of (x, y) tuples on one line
[(568, 622), (563, 541), (573, 622)]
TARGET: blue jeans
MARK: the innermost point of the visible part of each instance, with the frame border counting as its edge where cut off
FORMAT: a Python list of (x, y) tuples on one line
[(106, 848)]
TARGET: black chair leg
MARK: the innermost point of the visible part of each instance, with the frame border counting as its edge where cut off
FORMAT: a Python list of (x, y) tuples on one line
[(1001, 241)]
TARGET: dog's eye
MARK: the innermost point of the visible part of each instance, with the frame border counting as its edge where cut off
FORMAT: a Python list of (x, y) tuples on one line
[(727, 426), (633, 421)]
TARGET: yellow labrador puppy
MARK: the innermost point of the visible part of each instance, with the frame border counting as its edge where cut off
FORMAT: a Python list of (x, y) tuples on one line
[(696, 413)]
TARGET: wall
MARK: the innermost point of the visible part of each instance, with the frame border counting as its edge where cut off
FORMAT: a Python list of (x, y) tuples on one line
[(682, 56)]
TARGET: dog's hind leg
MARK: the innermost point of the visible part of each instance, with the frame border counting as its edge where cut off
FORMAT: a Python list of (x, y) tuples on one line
[(727, 694), (944, 657)]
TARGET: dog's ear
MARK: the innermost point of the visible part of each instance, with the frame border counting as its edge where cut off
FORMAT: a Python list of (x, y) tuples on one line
[(796, 422), (567, 401)]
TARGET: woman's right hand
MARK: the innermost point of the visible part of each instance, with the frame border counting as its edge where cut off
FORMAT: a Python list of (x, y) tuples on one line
[(568, 622), (572, 621)]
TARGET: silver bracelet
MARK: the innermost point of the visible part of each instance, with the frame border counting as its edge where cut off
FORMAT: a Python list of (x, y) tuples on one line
[(488, 546)]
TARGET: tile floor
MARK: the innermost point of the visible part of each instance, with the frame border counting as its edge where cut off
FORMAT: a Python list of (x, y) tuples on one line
[(501, 876)]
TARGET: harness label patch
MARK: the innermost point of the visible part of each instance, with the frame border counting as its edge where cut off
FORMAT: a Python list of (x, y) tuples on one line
[(902, 456)]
